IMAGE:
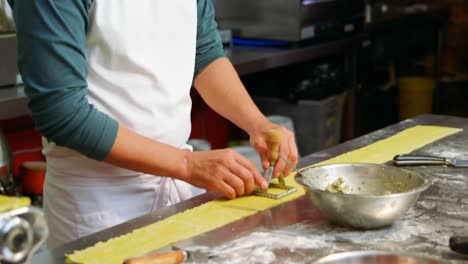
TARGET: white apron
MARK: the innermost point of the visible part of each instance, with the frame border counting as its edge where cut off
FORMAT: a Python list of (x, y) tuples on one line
[(141, 57)]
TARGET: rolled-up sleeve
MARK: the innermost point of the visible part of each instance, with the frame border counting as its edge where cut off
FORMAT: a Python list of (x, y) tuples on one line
[(209, 46), (51, 38)]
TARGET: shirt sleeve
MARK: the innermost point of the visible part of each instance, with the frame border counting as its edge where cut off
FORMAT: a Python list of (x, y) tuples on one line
[(51, 37), (209, 46)]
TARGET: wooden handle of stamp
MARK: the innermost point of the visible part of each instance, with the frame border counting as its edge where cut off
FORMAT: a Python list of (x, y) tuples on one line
[(273, 139)]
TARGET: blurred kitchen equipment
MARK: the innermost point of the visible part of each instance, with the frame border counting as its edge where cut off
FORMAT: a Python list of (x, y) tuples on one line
[(373, 195), (415, 96), (368, 11), (3, 18), (318, 81), (22, 232), (408, 159), (199, 144), (273, 140), (8, 68), (459, 244), (226, 36), (282, 120), (7, 184), (33, 177), (374, 257), (292, 20), (6, 18)]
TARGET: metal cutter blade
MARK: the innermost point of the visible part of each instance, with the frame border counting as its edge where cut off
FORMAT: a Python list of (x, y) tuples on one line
[(268, 174), (280, 185)]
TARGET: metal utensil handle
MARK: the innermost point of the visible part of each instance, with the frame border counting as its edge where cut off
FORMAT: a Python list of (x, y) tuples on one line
[(459, 244), (417, 157), (418, 160), (288, 162)]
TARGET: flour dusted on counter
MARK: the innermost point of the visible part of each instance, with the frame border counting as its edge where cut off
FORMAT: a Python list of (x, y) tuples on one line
[(266, 247)]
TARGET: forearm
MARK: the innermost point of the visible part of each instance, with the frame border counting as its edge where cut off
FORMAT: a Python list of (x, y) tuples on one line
[(220, 87), (224, 171), (135, 152)]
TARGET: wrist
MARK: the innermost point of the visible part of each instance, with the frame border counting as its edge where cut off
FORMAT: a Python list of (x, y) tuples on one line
[(183, 170), (258, 125)]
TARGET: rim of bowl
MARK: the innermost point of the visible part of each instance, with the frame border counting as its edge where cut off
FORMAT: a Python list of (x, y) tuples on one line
[(426, 183)]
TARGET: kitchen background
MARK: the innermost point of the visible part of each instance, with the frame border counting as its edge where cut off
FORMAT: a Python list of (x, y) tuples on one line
[(331, 70)]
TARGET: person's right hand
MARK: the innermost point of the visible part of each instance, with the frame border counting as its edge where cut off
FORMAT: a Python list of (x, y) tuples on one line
[(224, 171)]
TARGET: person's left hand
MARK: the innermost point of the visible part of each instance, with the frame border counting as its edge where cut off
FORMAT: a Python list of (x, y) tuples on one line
[(287, 147)]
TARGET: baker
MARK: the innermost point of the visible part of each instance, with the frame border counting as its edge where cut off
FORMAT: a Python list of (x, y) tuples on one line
[(108, 84)]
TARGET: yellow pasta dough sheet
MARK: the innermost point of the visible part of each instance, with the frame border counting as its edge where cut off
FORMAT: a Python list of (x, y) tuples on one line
[(8, 203), (215, 214)]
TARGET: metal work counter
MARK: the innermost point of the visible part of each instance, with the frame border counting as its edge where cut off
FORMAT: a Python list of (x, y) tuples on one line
[(296, 232)]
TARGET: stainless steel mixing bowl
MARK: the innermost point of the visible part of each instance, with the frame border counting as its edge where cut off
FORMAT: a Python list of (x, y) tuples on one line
[(374, 195)]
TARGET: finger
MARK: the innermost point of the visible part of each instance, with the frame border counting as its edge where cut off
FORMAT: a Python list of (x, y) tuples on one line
[(265, 163), (287, 171), (246, 176), (227, 190), (235, 182), (280, 163), (287, 168), (247, 172), (259, 180), (293, 155)]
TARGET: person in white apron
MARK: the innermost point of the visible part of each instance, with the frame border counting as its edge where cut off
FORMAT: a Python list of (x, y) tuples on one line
[(108, 83)]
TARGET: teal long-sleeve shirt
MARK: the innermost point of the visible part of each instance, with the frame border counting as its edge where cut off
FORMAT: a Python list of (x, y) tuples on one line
[(51, 38)]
